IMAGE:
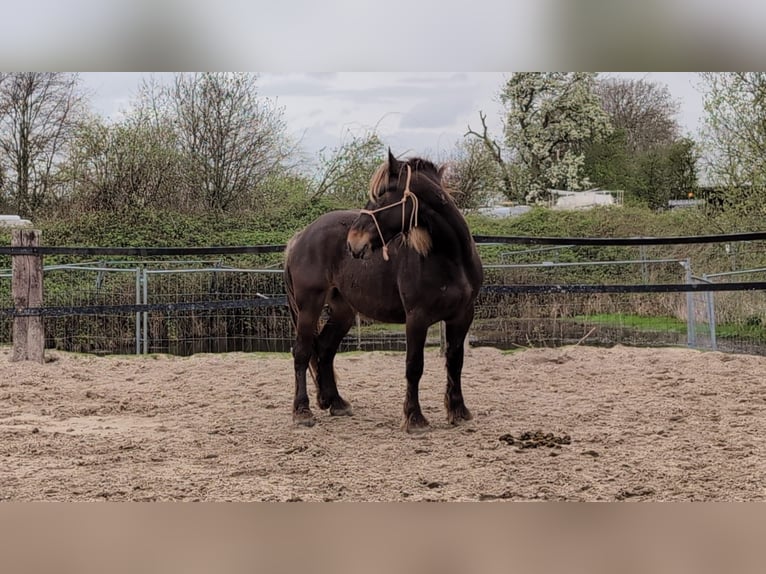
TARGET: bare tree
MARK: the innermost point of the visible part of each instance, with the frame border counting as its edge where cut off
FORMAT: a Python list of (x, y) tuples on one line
[(494, 150), (344, 172), (133, 164), (38, 113), (473, 173), (231, 139), (645, 111)]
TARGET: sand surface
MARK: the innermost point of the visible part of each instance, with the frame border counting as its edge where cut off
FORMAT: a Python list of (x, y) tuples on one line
[(575, 423)]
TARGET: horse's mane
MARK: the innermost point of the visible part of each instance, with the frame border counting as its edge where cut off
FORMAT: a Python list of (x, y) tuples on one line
[(381, 178)]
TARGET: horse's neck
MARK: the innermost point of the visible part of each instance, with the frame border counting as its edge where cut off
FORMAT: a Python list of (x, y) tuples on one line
[(450, 232)]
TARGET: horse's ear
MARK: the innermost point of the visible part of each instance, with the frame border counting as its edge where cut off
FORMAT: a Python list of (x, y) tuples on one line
[(442, 195), (393, 164)]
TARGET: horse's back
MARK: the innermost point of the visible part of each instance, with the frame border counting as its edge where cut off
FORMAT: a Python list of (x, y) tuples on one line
[(317, 249)]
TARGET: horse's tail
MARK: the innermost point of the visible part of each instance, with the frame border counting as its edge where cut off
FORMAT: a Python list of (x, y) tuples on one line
[(292, 304), (290, 291)]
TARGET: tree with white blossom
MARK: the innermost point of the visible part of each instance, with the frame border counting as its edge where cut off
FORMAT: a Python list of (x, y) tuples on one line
[(734, 141), (550, 118)]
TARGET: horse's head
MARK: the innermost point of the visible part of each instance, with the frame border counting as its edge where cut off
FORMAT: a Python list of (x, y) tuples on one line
[(398, 190)]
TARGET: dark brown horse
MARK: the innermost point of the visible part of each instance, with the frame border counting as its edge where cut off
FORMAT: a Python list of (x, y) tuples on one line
[(408, 257)]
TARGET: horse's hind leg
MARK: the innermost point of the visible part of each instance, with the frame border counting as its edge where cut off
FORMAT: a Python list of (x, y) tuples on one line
[(453, 398), (306, 322), (340, 320)]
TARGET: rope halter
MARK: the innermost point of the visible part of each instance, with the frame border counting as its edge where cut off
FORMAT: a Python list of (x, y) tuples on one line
[(413, 215)]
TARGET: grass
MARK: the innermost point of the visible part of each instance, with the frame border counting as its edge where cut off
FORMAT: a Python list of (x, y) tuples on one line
[(667, 324), (751, 331), (376, 327)]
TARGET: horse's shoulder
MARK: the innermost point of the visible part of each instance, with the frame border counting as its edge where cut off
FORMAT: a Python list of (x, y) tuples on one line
[(328, 229)]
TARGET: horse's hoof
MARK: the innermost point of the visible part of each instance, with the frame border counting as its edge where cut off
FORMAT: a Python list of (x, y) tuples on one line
[(337, 406), (458, 415), (304, 418), (341, 408), (415, 424)]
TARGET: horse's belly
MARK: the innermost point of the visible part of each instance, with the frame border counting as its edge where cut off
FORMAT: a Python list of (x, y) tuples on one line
[(376, 298)]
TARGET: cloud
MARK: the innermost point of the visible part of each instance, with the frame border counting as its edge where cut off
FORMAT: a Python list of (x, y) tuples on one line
[(294, 84), (437, 112)]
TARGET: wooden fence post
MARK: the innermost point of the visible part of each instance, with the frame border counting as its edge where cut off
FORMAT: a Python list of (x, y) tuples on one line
[(27, 289)]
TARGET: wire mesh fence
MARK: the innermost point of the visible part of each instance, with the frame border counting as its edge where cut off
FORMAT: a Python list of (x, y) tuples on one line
[(738, 318), (266, 328), (519, 319), (731, 321), (6, 301), (85, 284)]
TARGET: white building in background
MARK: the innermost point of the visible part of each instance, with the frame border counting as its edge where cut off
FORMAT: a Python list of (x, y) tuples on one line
[(504, 210), (13, 221), (559, 199), (562, 199)]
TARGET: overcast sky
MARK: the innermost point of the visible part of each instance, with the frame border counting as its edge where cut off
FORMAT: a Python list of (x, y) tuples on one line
[(414, 113)]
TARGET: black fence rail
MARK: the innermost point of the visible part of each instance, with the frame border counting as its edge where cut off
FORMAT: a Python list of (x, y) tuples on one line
[(150, 308)]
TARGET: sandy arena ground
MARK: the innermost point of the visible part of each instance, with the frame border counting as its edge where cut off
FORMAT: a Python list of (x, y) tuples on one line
[(576, 423)]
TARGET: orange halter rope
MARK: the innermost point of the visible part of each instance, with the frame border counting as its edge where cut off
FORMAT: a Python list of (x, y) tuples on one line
[(413, 216)]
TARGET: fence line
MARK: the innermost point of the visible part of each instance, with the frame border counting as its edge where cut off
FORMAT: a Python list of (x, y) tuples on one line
[(143, 307), (143, 251), (617, 241), (263, 301), (63, 311), (480, 239)]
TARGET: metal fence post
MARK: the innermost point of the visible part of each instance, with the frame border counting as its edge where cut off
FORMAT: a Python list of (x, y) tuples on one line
[(145, 279), (711, 316), (138, 313), (644, 269), (691, 322), (358, 332)]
